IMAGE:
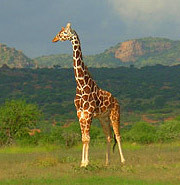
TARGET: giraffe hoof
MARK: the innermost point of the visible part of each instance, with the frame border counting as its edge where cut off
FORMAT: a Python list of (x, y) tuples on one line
[(85, 164), (123, 161)]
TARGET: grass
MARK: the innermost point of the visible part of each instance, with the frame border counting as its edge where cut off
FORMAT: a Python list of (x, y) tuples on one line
[(84, 181), (27, 149), (156, 164)]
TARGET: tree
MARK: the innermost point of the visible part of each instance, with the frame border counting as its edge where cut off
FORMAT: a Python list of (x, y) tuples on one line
[(16, 119)]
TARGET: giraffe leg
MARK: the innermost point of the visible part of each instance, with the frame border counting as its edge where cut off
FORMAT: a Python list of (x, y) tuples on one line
[(118, 138), (108, 150), (85, 152), (120, 149), (115, 121), (105, 122), (85, 123)]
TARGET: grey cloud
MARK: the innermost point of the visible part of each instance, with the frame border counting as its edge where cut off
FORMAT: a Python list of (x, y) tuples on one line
[(31, 25)]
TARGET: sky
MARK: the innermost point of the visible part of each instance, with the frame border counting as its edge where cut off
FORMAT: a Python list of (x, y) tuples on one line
[(30, 25)]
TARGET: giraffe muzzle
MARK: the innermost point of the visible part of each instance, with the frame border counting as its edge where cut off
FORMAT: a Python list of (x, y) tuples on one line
[(55, 39)]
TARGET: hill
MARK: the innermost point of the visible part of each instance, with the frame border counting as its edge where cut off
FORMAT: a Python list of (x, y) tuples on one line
[(139, 52), (147, 51), (14, 58)]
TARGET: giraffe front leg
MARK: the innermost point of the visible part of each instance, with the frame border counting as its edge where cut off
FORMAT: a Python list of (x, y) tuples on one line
[(85, 123), (85, 150), (83, 155)]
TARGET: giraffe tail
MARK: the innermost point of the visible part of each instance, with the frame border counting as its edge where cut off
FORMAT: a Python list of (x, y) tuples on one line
[(115, 142)]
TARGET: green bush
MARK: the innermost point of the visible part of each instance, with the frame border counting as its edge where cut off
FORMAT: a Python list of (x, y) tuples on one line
[(16, 119), (169, 131), (31, 140), (71, 134), (68, 135), (177, 118), (140, 132), (96, 133)]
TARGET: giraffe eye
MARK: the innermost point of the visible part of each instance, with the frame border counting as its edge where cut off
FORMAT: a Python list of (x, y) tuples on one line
[(65, 33)]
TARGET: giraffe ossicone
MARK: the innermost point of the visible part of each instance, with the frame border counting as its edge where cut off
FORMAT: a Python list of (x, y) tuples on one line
[(90, 100)]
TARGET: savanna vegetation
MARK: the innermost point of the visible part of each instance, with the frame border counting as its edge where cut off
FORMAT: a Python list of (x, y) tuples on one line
[(51, 154), (147, 93), (40, 138)]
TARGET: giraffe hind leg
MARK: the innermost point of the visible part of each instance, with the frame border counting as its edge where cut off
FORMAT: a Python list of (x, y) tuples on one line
[(105, 123), (115, 121)]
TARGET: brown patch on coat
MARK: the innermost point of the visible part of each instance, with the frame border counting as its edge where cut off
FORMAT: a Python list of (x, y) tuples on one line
[(87, 89), (80, 72), (85, 97), (86, 105), (81, 82), (77, 54)]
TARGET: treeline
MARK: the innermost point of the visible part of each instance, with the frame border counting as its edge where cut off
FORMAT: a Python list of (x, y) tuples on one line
[(146, 90)]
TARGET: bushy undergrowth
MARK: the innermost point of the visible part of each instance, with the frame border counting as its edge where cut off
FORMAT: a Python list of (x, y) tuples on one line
[(169, 131), (17, 118), (140, 132), (61, 135), (145, 133)]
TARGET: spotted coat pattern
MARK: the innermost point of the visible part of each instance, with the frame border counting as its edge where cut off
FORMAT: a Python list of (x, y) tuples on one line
[(90, 100)]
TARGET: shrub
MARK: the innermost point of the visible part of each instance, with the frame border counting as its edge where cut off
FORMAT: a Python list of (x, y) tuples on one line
[(177, 118), (71, 134), (96, 133), (140, 132), (169, 131), (16, 119), (29, 139), (68, 136)]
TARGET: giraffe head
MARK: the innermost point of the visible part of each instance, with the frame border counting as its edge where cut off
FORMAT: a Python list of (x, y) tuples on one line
[(65, 34)]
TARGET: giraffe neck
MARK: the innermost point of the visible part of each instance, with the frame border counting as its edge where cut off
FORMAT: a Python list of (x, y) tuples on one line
[(80, 70)]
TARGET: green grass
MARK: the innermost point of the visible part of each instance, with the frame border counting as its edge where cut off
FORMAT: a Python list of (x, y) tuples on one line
[(89, 181), (27, 149), (156, 164)]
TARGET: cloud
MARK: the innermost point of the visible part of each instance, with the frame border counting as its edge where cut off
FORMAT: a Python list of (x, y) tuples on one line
[(149, 11)]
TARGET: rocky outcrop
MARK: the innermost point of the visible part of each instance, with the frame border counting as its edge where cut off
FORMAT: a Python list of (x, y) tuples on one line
[(131, 50), (14, 58)]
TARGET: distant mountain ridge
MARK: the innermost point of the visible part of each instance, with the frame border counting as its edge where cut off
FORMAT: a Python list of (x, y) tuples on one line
[(148, 51), (14, 58), (138, 52)]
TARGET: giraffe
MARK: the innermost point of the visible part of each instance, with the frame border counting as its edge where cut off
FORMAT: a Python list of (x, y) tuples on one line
[(91, 101)]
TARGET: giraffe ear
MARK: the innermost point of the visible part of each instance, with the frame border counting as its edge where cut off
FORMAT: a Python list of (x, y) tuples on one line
[(62, 28), (68, 26)]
